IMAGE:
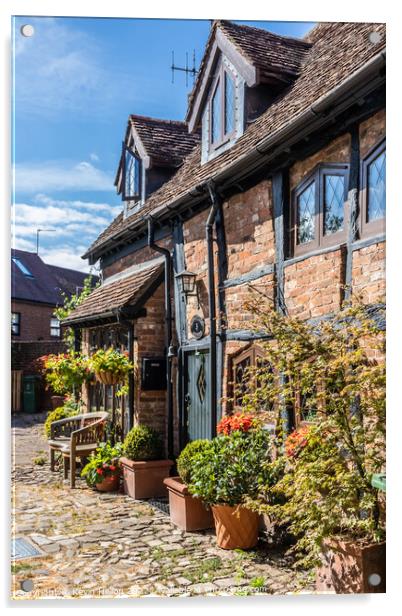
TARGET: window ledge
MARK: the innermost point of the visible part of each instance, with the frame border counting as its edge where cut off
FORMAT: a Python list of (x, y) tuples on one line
[(313, 253)]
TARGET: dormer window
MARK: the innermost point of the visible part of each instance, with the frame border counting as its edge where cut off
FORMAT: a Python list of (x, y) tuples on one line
[(132, 176), (222, 121)]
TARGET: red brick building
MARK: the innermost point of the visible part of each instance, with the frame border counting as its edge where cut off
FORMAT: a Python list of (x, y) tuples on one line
[(276, 178), (36, 290)]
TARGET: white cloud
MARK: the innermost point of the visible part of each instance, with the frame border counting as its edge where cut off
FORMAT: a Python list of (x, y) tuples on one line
[(94, 157), (61, 69), (59, 175), (66, 256), (76, 225)]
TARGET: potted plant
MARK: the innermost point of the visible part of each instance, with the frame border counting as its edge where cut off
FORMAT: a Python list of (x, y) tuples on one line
[(110, 366), (143, 467), (326, 494), (186, 511), (228, 472), (103, 471)]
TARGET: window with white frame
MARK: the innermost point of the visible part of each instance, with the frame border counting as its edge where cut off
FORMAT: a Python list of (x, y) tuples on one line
[(15, 323), (223, 114), (55, 327)]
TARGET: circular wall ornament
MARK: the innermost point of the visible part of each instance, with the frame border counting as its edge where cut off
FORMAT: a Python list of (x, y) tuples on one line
[(197, 327)]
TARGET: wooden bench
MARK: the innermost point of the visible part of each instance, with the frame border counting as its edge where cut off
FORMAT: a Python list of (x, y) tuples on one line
[(76, 437)]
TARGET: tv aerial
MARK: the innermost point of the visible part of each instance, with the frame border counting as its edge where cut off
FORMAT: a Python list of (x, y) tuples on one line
[(185, 69)]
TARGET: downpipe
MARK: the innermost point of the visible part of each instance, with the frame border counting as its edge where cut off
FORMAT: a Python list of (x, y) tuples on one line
[(209, 227)]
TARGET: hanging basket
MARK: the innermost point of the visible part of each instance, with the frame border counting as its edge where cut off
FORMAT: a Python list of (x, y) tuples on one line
[(109, 378), (236, 527)]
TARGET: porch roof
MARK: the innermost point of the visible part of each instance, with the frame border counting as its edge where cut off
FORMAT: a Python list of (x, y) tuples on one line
[(126, 294)]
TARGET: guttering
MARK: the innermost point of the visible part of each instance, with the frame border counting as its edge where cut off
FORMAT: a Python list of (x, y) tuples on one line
[(168, 331), (363, 81), (209, 227)]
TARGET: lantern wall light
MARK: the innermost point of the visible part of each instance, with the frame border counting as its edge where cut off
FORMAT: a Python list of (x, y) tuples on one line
[(186, 281)]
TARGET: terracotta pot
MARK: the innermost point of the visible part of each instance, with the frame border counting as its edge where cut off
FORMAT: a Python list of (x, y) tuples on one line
[(109, 484), (236, 527), (186, 511), (351, 567), (57, 401), (144, 479), (108, 378)]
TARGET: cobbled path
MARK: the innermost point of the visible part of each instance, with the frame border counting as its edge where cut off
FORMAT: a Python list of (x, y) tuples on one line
[(109, 545)]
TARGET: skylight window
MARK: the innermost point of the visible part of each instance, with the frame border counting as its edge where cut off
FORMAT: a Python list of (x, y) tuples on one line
[(22, 267)]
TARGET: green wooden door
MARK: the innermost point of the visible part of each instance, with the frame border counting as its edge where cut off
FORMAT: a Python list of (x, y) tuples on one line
[(197, 396)]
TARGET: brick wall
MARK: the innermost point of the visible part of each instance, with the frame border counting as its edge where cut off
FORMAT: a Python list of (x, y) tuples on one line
[(249, 229), (368, 272), (34, 320), (313, 286), (371, 131), (135, 258), (149, 341)]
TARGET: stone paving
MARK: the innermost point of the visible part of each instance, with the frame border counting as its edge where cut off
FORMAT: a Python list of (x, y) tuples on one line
[(109, 545)]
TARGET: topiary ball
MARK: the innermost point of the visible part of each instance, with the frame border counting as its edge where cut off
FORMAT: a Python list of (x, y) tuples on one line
[(142, 443), (184, 461)]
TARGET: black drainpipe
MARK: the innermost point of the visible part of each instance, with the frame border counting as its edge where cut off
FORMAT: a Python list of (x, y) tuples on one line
[(209, 227), (168, 330), (130, 342)]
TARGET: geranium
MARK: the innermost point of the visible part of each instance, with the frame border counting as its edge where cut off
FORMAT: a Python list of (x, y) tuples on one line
[(239, 421), (102, 463), (296, 441)]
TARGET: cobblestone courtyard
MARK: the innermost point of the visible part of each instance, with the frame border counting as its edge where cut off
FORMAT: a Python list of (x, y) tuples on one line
[(109, 545)]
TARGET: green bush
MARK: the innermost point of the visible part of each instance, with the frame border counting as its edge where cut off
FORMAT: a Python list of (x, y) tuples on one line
[(184, 461), (60, 413), (142, 443), (233, 468)]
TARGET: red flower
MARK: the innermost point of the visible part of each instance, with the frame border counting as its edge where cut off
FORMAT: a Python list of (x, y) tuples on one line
[(112, 467), (99, 471), (296, 441), (238, 421)]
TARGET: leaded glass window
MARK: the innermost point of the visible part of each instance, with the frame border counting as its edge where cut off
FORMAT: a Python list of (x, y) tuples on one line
[(376, 188), (306, 215), (216, 115), (229, 104), (334, 197), (132, 179)]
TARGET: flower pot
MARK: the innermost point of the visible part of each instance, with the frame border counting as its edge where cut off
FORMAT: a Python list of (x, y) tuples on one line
[(109, 484), (351, 567), (186, 511), (144, 479), (108, 378), (57, 401), (236, 527)]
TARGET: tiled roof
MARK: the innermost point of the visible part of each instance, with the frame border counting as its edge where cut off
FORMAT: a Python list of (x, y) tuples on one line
[(339, 49), (47, 284), (266, 50), (110, 296), (165, 141)]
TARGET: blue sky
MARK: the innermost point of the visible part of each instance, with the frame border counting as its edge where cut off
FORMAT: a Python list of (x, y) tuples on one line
[(76, 80)]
